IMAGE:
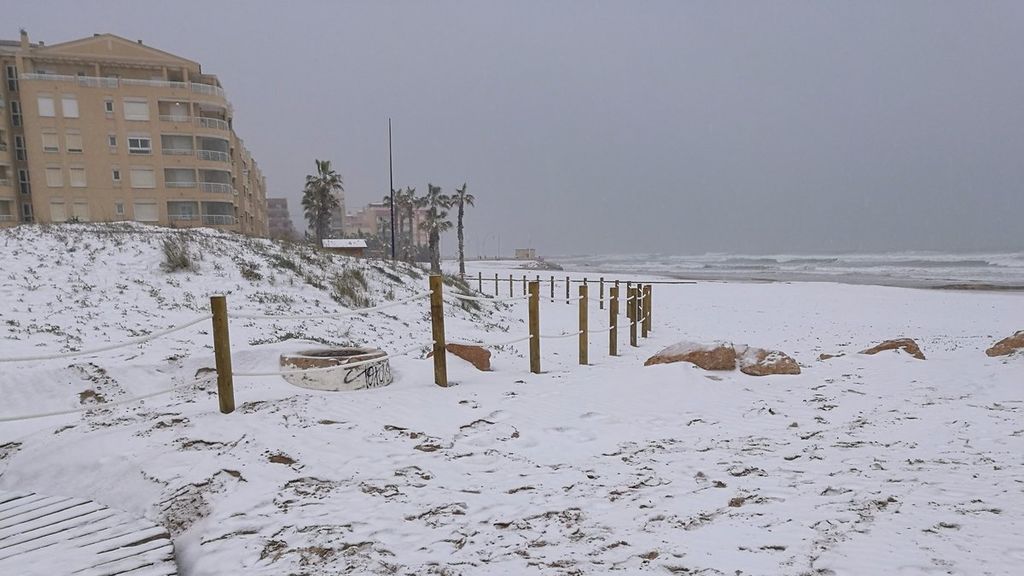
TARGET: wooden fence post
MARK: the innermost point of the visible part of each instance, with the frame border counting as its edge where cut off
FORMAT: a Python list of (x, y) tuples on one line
[(524, 284), (643, 309), (480, 282), (534, 324), (437, 330), (584, 325), (613, 321), (496, 285), (552, 288), (647, 312), (222, 353), (510, 288), (617, 293), (631, 314), (567, 301), (600, 301)]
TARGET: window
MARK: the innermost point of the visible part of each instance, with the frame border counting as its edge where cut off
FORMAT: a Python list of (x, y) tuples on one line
[(108, 107), (58, 212), (12, 78), (26, 212), (146, 211), (115, 174), (73, 142), (80, 211), (19, 147), (50, 142), (136, 110), (77, 176), (54, 177), (142, 177), (23, 182), (69, 106), (119, 208), (139, 145), (112, 140), (15, 113), (46, 109)]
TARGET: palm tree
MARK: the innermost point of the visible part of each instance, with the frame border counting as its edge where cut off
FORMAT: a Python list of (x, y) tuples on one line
[(437, 222), (463, 199), (320, 198)]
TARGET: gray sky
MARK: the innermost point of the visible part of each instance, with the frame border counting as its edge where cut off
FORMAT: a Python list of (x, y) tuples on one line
[(620, 127)]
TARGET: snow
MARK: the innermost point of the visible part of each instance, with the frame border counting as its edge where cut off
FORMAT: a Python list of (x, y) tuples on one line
[(859, 465)]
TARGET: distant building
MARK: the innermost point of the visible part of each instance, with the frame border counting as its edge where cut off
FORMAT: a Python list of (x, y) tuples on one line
[(104, 129), (375, 217), (526, 253), (279, 219), (346, 246)]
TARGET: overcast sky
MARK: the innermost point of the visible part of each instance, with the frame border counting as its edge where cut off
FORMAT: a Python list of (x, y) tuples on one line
[(624, 127)]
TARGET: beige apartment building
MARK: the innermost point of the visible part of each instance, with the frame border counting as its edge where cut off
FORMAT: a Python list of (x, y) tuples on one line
[(108, 129)]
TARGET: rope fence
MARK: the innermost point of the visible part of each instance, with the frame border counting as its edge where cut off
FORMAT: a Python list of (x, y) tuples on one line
[(637, 304)]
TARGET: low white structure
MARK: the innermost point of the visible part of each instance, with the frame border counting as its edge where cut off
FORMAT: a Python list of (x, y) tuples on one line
[(346, 246)]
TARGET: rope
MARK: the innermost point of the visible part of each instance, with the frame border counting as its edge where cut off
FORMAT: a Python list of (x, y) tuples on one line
[(486, 299), (332, 315), (493, 344), (97, 406), (599, 330), (335, 367), (129, 342), (577, 333)]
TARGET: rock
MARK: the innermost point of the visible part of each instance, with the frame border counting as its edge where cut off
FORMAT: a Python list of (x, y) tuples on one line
[(906, 344), (719, 356), (475, 355), (761, 362), (1007, 345), (823, 356)]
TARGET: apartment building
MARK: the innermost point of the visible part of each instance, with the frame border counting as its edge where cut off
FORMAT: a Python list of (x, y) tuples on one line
[(107, 129), (279, 219), (376, 216)]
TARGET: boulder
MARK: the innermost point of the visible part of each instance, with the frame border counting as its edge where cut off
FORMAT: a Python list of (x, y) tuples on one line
[(761, 362), (718, 356), (823, 356), (475, 355), (1007, 345), (906, 344)]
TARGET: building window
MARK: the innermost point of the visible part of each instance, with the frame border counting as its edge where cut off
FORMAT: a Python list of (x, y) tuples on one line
[(26, 212), (108, 107), (50, 142), (19, 148), (12, 78), (58, 212), (15, 113), (142, 177), (139, 145), (136, 110), (115, 174), (69, 106), (119, 208), (46, 108), (23, 182), (112, 141), (80, 211), (77, 176), (146, 211), (54, 177), (73, 142)]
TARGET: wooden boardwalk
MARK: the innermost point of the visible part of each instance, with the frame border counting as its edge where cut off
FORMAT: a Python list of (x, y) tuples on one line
[(50, 535)]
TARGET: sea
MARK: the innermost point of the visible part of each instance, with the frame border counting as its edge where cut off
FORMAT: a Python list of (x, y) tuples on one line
[(992, 271)]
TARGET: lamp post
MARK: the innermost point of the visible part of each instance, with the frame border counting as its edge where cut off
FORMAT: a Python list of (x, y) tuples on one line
[(391, 179)]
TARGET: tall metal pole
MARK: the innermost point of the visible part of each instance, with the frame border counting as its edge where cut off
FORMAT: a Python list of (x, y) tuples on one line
[(391, 178)]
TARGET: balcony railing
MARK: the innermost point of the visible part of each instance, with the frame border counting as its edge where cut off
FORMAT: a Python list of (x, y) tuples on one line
[(3, 146), (5, 182), (175, 118), (213, 155), (8, 217), (99, 82), (181, 184), (215, 123), (216, 187), (177, 151), (219, 219), (182, 217)]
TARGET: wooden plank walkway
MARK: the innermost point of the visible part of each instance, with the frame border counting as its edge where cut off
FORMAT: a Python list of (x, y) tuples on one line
[(48, 535)]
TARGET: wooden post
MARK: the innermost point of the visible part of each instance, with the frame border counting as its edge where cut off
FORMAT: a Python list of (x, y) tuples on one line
[(222, 353), (534, 324), (647, 311), (496, 285), (613, 321), (584, 337), (643, 289), (510, 293), (552, 288), (567, 301), (437, 330), (617, 293), (631, 314), (480, 282), (524, 284), (600, 301)]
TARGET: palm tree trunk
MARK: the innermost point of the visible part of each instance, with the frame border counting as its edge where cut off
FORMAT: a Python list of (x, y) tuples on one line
[(462, 253)]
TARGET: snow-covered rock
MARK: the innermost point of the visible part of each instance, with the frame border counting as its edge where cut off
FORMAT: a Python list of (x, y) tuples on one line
[(718, 356), (908, 345), (1007, 345), (761, 362)]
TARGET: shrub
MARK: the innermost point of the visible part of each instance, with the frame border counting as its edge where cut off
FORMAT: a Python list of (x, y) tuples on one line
[(176, 255), (349, 288)]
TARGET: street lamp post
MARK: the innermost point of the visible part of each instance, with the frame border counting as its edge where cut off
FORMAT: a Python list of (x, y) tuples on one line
[(391, 179)]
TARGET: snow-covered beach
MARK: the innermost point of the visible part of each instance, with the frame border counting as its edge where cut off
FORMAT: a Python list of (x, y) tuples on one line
[(858, 465)]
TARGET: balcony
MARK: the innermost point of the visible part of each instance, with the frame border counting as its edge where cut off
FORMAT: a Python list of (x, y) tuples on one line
[(177, 151), (218, 219), (175, 118), (8, 217), (181, 184), (5, 182), (3, 146), (154, 83), (216, 188), (213, 155), (207, 89), (183, 217), (215, 123), (98, 82)]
